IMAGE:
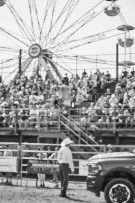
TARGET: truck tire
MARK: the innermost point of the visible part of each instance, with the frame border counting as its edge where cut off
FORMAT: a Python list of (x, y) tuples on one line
[(119, 190)]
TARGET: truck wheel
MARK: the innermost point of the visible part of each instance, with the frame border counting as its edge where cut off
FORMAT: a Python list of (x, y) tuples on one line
[(119, 191)]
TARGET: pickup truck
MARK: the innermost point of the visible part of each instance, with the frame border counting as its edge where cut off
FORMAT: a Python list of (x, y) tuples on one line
[(113, 174)]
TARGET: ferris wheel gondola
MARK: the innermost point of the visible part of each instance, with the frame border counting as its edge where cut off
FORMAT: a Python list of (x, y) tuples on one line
[(2, 2), (114, 11)]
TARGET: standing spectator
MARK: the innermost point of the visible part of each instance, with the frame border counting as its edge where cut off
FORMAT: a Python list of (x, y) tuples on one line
[(41, 176), (84, 74), (8, 152), (64, 92), (108, 76), (54, 156), (65, 161), (1, 154)]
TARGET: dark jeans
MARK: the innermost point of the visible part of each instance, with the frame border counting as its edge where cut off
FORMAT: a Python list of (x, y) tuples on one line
[(64, 171)]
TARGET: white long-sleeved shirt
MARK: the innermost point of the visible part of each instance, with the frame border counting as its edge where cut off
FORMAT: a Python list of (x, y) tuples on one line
[(65, 156)]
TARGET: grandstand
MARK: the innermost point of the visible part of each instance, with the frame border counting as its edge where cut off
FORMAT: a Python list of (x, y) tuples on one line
[(40, 104), (47, 113)]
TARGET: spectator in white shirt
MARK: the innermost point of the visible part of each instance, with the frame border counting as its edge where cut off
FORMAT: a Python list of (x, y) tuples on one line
[(8, 152), (65, 161), (41, 176), (113, 100), (40, 96)]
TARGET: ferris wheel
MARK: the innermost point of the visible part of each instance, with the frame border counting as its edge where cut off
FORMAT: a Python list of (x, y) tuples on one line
[(52, 37)]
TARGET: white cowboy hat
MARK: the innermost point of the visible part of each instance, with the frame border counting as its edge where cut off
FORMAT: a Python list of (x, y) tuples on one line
[(109, 146), (66, 141)]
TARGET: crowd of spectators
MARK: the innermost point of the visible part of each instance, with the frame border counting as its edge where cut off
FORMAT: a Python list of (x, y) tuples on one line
[(114, 109), (30, 102)]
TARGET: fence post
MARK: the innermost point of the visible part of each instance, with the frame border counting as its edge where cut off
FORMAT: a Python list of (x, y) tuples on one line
[(19, 161), (114, 123)]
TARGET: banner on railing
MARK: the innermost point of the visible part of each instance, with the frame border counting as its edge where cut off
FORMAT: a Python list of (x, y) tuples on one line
[(8, 164), (41, 166)]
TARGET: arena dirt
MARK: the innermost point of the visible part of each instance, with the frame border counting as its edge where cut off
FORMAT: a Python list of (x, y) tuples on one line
[(28, 193)]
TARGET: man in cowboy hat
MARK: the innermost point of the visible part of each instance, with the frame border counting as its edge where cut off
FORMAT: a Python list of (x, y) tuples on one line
[(65, 161)]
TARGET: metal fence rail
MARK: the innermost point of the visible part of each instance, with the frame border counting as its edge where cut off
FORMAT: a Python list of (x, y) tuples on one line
[(24, 160)]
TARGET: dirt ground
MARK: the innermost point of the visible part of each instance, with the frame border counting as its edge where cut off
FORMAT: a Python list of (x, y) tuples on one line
[(28, 193)]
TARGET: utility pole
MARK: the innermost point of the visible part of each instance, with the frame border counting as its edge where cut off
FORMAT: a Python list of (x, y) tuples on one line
[(20, 62), (117, 61), (76, 66), (1, 71), (18, 131)]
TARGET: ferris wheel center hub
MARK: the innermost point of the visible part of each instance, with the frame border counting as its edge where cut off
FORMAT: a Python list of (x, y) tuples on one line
[(34, 50)]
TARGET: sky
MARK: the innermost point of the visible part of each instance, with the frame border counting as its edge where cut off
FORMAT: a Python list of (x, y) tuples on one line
[(97, 54)]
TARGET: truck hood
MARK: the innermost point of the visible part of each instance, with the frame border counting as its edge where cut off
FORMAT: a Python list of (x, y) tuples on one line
[(111, 155)]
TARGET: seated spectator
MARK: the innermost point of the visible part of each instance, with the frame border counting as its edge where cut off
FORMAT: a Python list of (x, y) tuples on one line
[(113, 100), (64, 111), (2, 118), (84, 111), (40, 97), (133, 120), (84, 121), (32, 97), (79, 98), (56, 102), (66, 80), (84, 92), (42, 122), (33, 115), (13, 115), (72, 79), (102, 122), (127, 118), (98, 108), (67, 102), (7, 119), (108, 93), (23, 120), (92, 114), (132, 104), (124, 73)]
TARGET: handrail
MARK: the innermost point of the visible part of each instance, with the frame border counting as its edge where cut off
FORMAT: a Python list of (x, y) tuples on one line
[(73, 131), (86, 143), (79, 129)]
